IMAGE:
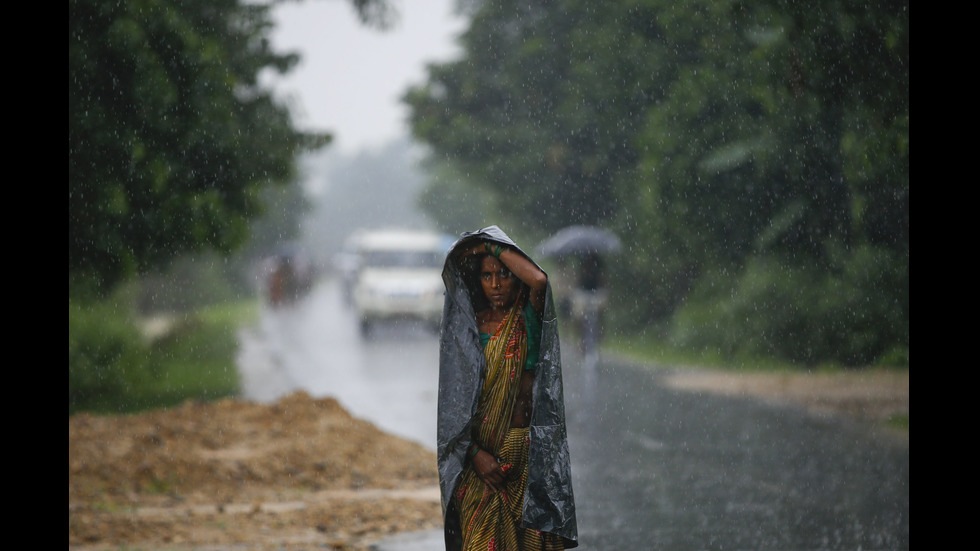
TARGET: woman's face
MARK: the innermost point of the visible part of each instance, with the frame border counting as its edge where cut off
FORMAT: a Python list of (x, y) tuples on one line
[(499, 285)]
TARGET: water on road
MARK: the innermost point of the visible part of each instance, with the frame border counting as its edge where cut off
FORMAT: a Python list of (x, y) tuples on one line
[(314, 345)]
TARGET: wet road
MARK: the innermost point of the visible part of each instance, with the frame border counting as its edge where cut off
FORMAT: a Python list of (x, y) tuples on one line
[(314, 345), (653, 468), (662, 469)]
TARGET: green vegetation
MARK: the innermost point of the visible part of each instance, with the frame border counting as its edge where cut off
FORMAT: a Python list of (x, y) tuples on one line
[(115, 368), (899, 422), (173, 147), (175, 150), (651, 350), (753, 157), (171, 138)]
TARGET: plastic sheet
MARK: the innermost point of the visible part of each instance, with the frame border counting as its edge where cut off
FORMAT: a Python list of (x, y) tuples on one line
[(549, 503)]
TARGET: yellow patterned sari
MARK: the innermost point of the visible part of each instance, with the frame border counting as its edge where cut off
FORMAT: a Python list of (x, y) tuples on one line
[(490, 520)]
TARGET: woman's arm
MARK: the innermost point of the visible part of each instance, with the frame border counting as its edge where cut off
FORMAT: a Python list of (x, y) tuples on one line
[(519, 265), (529, 273)]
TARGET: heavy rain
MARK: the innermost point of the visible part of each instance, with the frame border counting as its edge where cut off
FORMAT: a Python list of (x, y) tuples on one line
[(262, 198)]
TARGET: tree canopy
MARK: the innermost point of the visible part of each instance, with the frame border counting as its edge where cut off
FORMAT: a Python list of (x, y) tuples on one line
[(170, 136), (729, 142)]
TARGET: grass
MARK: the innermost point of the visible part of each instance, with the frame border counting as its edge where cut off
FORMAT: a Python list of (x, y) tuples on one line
[(899, 422), (654, 351), (196, 359), (191, 356)]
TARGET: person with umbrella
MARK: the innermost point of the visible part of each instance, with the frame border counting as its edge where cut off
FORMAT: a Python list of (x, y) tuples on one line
[(586, 244), (502, 448)]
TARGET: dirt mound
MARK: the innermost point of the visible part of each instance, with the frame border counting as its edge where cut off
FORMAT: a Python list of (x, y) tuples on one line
[(298, 473)]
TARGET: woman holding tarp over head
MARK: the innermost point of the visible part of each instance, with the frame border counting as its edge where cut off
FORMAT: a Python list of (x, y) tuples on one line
[(503, 453)]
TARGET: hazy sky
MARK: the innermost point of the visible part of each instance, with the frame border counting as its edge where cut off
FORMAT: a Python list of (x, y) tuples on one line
[(351, 77)]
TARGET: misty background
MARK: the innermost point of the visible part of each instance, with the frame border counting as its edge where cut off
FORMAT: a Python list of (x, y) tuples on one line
[(753, 160)]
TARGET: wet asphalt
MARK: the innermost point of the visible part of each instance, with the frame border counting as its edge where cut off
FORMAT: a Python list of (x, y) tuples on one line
[(653, 468), (656, 468)]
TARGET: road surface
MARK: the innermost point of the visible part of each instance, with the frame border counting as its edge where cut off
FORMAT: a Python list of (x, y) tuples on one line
[(653, 467)]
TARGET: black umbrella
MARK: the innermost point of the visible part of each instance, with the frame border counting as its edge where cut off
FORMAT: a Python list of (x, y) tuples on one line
[(579, 240)]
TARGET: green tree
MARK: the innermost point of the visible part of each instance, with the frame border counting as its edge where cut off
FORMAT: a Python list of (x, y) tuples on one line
[(710, 132), (529, 115), (173, 150), (170, 136), (784, 139)]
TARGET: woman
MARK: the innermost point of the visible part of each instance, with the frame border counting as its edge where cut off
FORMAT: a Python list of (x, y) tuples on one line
[(503, 453)]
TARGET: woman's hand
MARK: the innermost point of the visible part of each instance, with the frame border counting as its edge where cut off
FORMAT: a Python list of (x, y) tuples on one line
[(476, 247), (489, 470)]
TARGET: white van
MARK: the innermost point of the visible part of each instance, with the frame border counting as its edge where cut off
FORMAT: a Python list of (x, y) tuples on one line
[(399, 276)]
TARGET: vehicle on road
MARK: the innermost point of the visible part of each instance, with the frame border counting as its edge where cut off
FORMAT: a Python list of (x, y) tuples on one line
[(398, 277)]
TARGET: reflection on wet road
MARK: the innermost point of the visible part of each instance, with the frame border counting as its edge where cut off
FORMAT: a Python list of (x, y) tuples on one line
[(389, 379)]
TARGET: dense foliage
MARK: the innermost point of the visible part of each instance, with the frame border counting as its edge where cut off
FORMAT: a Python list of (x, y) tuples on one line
[(174, 150), (170, 136), (753, 155), (113, 367)]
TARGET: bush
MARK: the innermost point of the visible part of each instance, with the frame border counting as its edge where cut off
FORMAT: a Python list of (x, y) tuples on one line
[(191, 282), (106, 354), (196, 358), (852, 316), (114, 368)]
